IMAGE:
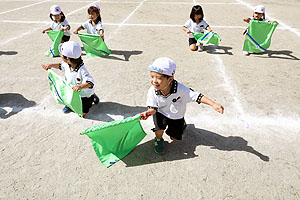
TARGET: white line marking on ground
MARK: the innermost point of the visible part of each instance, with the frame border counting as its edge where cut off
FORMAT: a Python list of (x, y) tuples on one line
[(268, 17), (23, 7), (230, 87), (125, 20)]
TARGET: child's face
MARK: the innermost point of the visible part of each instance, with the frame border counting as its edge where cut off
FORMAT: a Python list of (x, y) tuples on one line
[(197, 17), (93, 16), (159, 81), (56, 17), (258, 16)]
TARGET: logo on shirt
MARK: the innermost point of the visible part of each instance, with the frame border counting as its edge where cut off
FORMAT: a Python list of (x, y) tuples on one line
[(78, 79)]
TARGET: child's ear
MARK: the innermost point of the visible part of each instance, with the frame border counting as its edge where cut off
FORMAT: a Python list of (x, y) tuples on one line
[(171, 79)]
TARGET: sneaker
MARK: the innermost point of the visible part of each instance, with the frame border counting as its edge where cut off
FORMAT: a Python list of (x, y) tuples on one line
[(159, 146), (246, 53), (200, 48), (96, 99), (66, 109)]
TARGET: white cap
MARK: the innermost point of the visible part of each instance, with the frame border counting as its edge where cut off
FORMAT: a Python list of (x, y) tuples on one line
[(94, 5), (259, 9), (163, 65), (70, 49), (55, 10)]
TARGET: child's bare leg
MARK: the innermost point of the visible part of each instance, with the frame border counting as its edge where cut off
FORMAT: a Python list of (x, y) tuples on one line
[(159, 134), (193, 47), (172, 138)]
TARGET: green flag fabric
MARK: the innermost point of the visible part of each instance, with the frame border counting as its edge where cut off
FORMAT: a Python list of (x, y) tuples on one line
[(114, 140), (63, 93), (56, 37), (93, 45), (258, 36), (207, 38)]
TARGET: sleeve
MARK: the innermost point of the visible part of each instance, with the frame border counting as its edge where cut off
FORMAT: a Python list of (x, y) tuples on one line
[(86, 77), (63, 65), (193, 95), (205, 24), (84, 25), (52, 25), (100, 26), (188, 24), (66, 23), (151, 98)]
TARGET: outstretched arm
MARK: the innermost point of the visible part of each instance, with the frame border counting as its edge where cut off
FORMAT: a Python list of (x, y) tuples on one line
[(217, 107), (78, 29), (49, 66), (247, 19), (47, 29), (186, 30)]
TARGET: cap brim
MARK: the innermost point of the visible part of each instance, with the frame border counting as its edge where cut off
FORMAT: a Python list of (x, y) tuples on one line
[(60, 48)]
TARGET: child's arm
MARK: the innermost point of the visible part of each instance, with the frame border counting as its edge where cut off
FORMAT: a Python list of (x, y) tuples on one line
[(66, 28), (146, 114), (217, 107), (49, 66), (81, 86), (102, 34), (209, 29), (47, 29), (79, 28), (186, 30), (247, 19)]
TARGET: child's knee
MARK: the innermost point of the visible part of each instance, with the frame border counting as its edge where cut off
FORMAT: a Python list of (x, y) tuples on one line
[(193, 47)]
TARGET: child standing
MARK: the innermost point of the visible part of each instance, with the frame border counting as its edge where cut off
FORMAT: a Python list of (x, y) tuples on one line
[(167, 100), (196, 24), (76, 74), (59, 22), (258, 14), (94, 24)]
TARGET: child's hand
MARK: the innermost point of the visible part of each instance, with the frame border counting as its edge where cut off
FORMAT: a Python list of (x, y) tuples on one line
[(247, 20), (102, 36), (46, 66), (189, 32), (62, 29), (218, 108), (75, 32), (44, 31), (145, 115), (76, 88)]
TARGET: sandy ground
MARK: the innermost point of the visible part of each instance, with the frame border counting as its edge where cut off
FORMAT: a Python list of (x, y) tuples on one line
[(250, 152)]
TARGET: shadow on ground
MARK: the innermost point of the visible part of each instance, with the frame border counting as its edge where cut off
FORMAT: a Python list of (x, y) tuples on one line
[(8, 53), (126, 54), (283, 54), (14, 102), (105, 111), (213, 49), (178, 150)]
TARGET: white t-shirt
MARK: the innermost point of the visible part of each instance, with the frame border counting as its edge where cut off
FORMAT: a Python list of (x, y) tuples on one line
[(172, 106), (78, 76), (194, 27), (57, 26), (95, 30)]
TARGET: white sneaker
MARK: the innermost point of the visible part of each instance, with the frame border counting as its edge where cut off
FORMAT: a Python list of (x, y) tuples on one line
[(246, 53), (200, 48)]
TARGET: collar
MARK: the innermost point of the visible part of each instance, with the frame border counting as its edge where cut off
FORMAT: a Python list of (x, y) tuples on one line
[(97, 21), (77, 67), (173, 89)]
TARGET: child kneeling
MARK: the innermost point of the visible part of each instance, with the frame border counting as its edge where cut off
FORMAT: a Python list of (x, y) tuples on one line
[(167, 100), (76, 74)]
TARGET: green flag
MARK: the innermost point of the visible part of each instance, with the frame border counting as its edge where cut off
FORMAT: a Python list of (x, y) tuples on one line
[(56, 37), (93, 45), (208, 38), (114, 140), (63, 93), (258, 36)]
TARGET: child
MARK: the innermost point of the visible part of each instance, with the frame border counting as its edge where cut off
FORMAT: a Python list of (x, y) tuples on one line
[(76, 74), (258, 14), (166, 101), (196, 24), (94, 25), (59, 22)]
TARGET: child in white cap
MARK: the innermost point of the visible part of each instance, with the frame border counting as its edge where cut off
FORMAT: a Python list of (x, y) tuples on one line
[(167, 100), (259, 14), (59, 22), (196, 24), (76, 74), (94, 24)]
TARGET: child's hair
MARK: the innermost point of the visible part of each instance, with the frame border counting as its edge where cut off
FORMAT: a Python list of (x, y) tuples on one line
[(196, 10), (76, 61), (63, 17), (263, 18), (167, 76), (94, 9)]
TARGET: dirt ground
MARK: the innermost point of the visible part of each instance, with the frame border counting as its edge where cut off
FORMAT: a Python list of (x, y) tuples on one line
[(250, 152)]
